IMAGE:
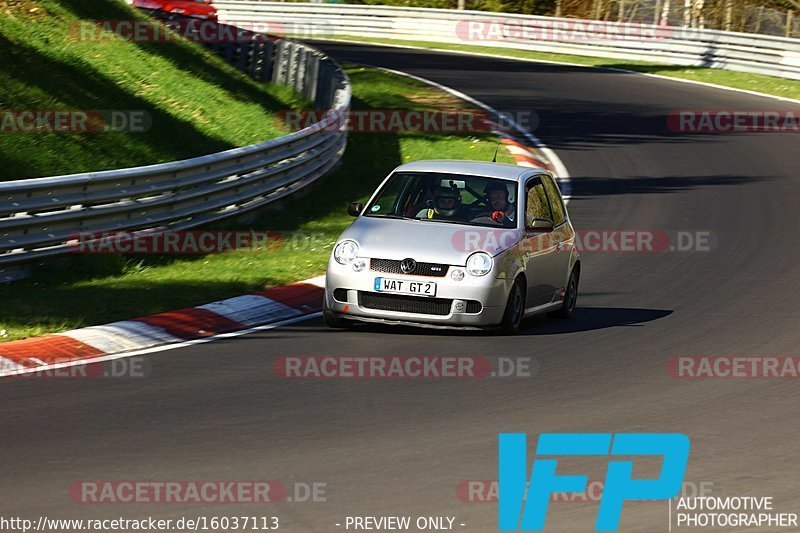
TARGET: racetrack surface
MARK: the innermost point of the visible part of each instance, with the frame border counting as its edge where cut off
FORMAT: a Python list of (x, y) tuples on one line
[(400, 447)]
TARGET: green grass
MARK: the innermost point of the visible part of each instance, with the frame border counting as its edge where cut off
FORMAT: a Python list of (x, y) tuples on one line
[(76, 291), (741, 80), (198, 103)]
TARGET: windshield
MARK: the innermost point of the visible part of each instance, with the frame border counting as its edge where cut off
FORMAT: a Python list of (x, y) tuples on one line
[(452, 198)]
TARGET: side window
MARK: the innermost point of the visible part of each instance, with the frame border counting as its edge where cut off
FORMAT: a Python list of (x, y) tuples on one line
[(536, 205), (556, 203)]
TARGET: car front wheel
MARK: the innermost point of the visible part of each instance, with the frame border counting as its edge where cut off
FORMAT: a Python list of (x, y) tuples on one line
[(515, 309)]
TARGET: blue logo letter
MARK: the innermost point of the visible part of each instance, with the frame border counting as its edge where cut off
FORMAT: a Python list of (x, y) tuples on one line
[(518, 512)]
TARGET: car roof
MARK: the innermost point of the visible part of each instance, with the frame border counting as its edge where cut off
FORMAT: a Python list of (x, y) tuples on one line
[(473, 168)]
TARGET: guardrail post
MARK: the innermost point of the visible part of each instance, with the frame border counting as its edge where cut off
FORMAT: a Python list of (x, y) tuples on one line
[(230, 49), (244, 56), (268, 61), (291, 66), (300, 79), (312, 77), (324, 83), (257, 61), (280, 68)]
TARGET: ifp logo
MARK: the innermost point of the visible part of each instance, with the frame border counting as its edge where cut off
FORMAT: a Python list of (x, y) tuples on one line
[(519, 511)]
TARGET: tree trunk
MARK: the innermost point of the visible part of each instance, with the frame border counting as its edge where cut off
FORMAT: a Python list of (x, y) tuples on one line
[(728, 15), (758, 19), (597, 9), (698, 19), (665, 12)]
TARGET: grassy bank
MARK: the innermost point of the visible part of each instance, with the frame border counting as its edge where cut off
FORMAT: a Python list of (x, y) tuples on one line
[(197, 103), (76, 291), (739, 80)]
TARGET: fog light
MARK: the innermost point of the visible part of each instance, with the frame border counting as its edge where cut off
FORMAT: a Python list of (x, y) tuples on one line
[(359, 264), (457, 274)]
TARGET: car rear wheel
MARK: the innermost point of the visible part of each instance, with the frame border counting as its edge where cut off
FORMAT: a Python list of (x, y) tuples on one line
[(515, 309), (570, 298), (331, 319)]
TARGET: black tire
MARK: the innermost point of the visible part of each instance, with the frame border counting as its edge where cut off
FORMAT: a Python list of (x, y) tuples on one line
[(570, 298), (331, 319), (515, 309)]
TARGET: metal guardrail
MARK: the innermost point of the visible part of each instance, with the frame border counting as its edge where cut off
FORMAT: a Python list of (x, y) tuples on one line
[(41, 217), (762, 54)]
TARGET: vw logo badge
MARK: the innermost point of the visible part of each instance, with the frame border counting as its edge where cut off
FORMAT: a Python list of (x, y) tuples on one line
[(407, 266)]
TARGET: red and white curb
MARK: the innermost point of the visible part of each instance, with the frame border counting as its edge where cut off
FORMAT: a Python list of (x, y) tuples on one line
[(525, 156), (174, 328)]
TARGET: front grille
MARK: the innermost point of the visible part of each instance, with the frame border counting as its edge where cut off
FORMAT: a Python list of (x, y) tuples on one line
[(405, 304), (392, 266)]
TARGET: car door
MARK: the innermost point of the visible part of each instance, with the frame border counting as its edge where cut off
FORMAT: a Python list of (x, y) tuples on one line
[(563, 236), (542, 261)]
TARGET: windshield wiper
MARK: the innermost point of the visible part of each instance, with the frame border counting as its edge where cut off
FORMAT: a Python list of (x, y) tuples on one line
[(397, 217), (444, 220), (463, 223)]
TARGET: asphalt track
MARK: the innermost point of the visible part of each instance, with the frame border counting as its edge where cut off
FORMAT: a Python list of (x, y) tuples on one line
[(215, 410)]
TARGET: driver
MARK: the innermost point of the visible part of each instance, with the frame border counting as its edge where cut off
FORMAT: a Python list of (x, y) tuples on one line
[(446, 205), (502, 209)]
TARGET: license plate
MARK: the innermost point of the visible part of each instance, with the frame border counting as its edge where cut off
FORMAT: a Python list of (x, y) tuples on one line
[(404, 286)]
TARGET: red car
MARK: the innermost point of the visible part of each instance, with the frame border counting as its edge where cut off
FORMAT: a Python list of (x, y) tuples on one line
[(200, 9)]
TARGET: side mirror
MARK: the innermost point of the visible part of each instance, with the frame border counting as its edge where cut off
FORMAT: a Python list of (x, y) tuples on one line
[(355, 208), (539, 224)]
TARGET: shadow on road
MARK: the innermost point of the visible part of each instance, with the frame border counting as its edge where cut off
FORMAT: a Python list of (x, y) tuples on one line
[(585, 319), (592, 318)]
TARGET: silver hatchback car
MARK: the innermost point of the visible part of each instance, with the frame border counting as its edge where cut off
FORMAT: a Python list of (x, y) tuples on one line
[(455, 243)]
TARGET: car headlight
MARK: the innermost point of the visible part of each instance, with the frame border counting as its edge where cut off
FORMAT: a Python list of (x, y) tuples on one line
[(479, 264), (345, 252)]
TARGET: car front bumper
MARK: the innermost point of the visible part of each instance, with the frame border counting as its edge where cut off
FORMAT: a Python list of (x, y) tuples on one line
[(352, 295)]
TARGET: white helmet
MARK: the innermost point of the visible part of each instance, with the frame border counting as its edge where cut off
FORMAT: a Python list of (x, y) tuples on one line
[(447, 193)]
